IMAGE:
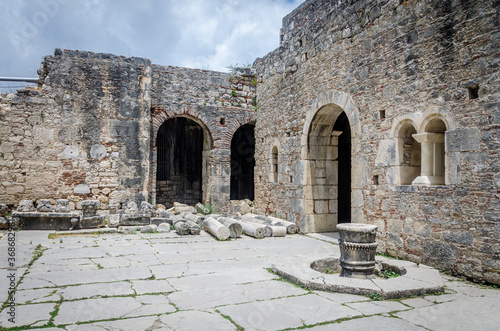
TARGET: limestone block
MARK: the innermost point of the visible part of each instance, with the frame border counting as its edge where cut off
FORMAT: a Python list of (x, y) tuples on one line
[(89, 207), (331, 168), (462, 140), (163, 227), (147, 208), (13, 190), (26, 206), (148, 228), (321, 207), (324, 192), (3, 209), (81, 189), (333, 206), (386, 153), (62, 206), (114, 220)]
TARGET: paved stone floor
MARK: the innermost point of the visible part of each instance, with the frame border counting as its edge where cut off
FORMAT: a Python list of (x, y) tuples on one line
[(162, 281)]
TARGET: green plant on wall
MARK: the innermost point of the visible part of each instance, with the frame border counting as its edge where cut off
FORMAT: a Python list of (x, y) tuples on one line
[(233, 93)]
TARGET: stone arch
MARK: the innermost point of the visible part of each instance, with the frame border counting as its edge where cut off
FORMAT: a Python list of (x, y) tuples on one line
[(319, 148), (273, 157), (242, 163), (408, 151), (161, 116), (232, 127)]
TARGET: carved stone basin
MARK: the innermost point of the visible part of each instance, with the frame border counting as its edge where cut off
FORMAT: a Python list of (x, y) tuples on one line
[(357, 249)]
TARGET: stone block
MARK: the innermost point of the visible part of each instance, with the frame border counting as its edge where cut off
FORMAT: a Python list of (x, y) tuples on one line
[(462, 140), (62, 206), (26, 206), (321, 207), (333, 206), (386, 153), (439, 255)]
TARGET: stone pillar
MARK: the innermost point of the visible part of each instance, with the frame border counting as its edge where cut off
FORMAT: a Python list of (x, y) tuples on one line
[(432, 161)]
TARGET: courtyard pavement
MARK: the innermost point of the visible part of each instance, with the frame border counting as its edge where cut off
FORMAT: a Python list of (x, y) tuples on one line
[(162, 281)]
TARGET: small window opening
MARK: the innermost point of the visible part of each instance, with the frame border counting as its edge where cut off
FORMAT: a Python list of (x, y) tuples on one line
[(222, 121), (375, 180), (291, 179), (300, 42), (382, 114), (473, 92)]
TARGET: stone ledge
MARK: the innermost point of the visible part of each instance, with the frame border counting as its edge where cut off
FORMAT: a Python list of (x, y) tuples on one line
[(417, 280)]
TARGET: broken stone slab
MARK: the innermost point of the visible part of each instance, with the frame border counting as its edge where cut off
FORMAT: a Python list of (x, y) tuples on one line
[(90, 219), (198, 219), (147, 208), (159, 206), (234, 227), (44, 206), (128, 229), (160, 220), (46, 221), (252, 229), (194, 229), (163, 227), (134, 219), (217, 229), (25, 206), (181, 228), (163, 213), (180, 208), (3, 209), (268, 231), (89, 207), (202, 209), (148, 228)]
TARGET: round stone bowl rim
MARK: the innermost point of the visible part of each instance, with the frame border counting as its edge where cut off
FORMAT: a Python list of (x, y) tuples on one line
[(357, 227)]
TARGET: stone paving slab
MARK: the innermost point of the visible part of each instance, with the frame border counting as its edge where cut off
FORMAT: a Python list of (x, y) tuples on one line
[(291, 312), (472, 313), (370, 324), (186, 283), (96, 290), (376, 307), (232, 294), (36, 314)]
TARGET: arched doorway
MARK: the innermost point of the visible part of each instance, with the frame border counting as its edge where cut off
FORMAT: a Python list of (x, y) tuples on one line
[(243, 163), (328, 189), (180, 162)]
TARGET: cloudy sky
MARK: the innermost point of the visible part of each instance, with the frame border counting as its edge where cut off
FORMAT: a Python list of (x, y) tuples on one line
[(205, 34)]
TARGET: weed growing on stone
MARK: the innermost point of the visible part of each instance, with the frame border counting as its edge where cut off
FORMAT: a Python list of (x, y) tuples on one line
[(376, 296), (238, 327)]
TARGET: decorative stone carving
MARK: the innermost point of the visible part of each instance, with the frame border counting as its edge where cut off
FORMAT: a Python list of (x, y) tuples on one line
[(26, 206), (90, 219), (357, 249), (62, 206)]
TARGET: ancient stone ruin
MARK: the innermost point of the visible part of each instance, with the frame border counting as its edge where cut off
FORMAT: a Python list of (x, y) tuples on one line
[(379, 112)]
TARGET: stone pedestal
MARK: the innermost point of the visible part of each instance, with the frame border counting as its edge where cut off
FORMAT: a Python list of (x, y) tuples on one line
[(90, 219), (357, 249)]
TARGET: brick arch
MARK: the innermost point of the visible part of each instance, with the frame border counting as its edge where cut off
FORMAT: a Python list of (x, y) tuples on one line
[(234, 125), (161, 114)]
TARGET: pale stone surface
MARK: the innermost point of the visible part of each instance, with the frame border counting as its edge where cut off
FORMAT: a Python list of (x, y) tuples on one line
[(28, 315), (284, 313), (193, 320), (370, 324), (151, 286), (95, 290)]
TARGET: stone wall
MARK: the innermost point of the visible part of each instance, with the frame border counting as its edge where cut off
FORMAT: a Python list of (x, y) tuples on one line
[(387, 64), (220, 103), (83, 134)]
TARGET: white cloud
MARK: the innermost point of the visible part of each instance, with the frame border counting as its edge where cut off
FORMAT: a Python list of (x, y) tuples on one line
[(192, 33)]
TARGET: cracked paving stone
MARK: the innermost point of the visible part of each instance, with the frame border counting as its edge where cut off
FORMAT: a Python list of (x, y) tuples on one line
[(376, 307), (342, 297), (151, 286), (93, 290), (471, 313), (232, 294), (292, 312), (95, 309), (370, 324), (128, 324), (36, 296), (196, 320), (35, 314)]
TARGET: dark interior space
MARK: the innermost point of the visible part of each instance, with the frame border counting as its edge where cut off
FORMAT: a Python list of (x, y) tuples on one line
[(344, 168), (179, 162), (243, 163)]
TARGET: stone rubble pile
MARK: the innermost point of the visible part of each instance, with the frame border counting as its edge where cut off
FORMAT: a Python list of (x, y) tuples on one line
[(182, 218)]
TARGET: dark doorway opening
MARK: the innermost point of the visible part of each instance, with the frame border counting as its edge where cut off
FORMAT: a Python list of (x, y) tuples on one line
[(243, 163), (179, 162), (344, 168)]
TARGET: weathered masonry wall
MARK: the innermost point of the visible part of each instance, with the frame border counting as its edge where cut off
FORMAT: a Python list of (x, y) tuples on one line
[(84, 134), (395, 68), (220, 103)]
